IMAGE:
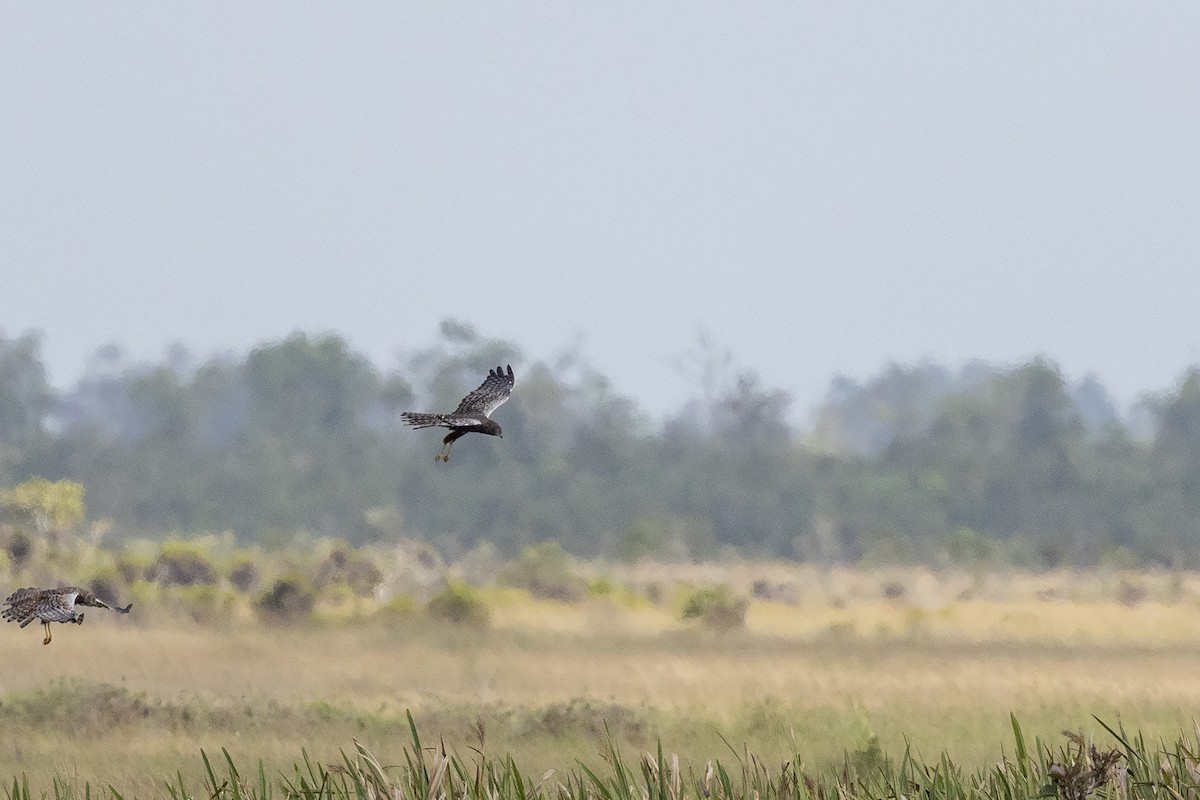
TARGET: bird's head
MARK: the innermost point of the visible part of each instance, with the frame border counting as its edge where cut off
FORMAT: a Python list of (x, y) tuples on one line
[(491, 429), (86, 598)]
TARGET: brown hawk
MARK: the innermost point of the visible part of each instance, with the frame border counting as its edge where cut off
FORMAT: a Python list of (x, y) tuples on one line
[(51, 605), (473, 413)]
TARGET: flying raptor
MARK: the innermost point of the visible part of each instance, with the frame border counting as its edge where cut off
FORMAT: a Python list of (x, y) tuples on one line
[(51, 605), (473, 414)]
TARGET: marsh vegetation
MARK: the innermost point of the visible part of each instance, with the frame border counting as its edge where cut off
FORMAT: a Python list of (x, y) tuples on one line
[(817, 667)]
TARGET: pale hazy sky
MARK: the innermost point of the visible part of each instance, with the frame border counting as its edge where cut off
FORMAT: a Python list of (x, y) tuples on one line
[(820, 187)]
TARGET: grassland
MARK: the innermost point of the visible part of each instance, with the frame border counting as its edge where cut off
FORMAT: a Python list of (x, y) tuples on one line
[(829, 666)]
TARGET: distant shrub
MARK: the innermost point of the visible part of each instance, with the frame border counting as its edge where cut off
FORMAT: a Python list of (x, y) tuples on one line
[(180, 564), (345, 566), (1131, 595), (290, 599), (460, 604), (133, 567), (667, 538), (786, 592), (601, 587), (399, 609), (593, 719), (106, 586), (17, 544), (245, 576), (1051, 555), (86, 709), (545, 572), (716, 607), (968, 546), (204, 603), (838, 630), (654, 592)]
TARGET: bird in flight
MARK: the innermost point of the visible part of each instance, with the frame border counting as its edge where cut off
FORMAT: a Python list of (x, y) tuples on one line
[(473, 413), (51, 605)]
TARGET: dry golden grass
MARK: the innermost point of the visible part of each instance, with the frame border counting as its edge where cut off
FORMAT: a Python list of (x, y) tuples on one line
[(823, 672)]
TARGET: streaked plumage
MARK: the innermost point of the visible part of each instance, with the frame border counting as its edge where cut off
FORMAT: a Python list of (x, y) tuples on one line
[(51, 605), (473, 413)]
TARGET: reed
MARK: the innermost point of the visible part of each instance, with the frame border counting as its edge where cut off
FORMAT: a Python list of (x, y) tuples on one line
[(1122, 766)]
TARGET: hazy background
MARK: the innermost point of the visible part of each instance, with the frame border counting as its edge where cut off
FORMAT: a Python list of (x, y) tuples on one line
[(819, 188), (424, 190)]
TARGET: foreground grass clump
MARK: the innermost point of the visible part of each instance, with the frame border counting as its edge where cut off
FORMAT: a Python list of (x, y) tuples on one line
[(1077, 770)]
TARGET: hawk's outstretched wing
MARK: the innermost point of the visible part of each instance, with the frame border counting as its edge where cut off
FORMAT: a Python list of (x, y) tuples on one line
[(456, 420), (490, 395), (21, 606)]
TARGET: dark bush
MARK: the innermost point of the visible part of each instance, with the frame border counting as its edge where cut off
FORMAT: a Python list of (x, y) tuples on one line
[(776, 592), (245, 576), (289, 600), (17, 544), (345, 566), (1131, 594), (182, 565), (107, 588)]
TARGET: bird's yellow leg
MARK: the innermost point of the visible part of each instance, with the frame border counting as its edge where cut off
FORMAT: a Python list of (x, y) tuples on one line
[(446, 457), (46, 625)]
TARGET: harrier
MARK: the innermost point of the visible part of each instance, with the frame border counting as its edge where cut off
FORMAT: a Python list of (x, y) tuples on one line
[(51, 605), (472, 415)]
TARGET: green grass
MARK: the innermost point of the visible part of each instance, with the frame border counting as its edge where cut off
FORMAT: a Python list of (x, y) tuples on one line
[(1123, 765), (134, 704), (78, 738), (827, 674)]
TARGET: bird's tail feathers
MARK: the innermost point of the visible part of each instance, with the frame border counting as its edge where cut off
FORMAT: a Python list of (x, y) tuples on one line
[(418, 420)]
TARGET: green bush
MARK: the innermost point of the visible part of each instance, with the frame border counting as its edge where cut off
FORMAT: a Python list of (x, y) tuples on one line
[(204, 603), (398, 610), (545, 572), (460, 604), (716, 607)]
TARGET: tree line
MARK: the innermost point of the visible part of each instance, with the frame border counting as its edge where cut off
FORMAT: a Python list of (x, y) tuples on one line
[(920, 463)]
